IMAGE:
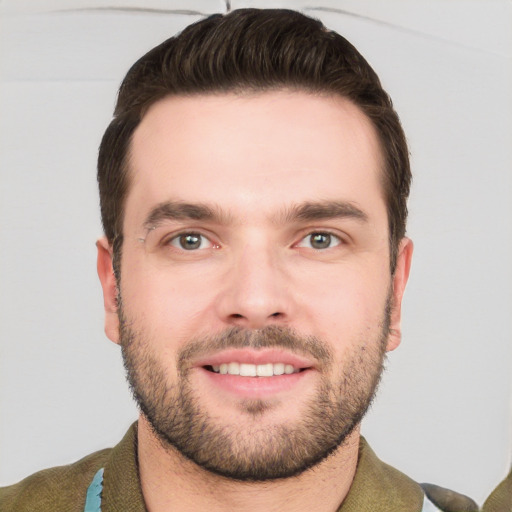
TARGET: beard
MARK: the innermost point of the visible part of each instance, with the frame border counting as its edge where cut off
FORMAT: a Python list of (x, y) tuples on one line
[(254, 452)]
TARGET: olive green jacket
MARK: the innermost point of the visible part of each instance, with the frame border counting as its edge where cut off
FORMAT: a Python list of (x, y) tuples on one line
[(377, 487), (500, 499)]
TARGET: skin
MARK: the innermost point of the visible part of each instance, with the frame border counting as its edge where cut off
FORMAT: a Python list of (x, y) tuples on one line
[(254, 157)]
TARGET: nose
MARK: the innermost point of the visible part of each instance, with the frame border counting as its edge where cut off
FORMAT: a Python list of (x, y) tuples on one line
[(256, 291)]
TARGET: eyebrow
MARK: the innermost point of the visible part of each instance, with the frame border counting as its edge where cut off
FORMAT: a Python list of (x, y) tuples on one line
[(308, 211), (174, 210), (323, 210)]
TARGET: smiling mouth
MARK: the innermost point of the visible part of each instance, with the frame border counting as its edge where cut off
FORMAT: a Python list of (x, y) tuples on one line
[(254, 370)]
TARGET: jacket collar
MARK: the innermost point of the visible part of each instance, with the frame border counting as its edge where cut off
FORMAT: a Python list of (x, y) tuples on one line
[(376, 486)]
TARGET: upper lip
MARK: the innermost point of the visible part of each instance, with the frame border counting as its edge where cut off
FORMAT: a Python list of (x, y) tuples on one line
[(253, 356)]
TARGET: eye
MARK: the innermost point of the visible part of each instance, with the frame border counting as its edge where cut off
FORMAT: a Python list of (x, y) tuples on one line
[(320, 240), (190, 241)]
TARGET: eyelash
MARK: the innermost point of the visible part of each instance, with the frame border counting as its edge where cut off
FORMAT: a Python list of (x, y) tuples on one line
[(325, 233), (176, 237)]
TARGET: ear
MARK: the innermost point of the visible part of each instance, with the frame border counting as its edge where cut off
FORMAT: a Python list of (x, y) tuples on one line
[(108, 283), (400, 277)]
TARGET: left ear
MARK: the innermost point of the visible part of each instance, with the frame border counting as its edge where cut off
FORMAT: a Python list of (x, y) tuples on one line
[(400, 277)]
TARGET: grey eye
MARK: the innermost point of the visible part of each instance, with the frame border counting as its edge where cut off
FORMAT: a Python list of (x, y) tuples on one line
[(320, 240), (190, 241)]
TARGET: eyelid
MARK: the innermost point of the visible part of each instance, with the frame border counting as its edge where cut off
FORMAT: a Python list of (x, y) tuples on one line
[(175, 241), (165, 240), (342, 237)]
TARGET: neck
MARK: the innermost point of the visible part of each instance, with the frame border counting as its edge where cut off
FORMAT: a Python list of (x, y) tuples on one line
[(171, 482)]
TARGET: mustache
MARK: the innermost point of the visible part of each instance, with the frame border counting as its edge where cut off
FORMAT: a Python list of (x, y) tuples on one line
[(268, 337)]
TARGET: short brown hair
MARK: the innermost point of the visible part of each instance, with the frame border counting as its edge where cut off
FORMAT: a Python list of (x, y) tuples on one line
[(252, 50)]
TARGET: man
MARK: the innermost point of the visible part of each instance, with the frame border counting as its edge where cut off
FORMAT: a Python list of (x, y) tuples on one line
[(253, 188)]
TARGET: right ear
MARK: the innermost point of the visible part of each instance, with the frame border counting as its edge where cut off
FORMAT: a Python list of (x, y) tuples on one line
[(109, 286)]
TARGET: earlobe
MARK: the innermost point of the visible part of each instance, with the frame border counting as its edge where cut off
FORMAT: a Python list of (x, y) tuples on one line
[(400, 277), (109, 286)]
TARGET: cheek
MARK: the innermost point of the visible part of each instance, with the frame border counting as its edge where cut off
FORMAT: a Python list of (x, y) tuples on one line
[(169, 298), (350, 307)]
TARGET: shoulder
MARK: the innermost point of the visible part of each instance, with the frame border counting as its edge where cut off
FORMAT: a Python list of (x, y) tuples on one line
[(59, 488), (449, 501), (500, 499), (379, 486)]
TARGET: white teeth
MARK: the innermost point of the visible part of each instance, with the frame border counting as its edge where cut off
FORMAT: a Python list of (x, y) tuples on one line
[(248, 370), (265, 370), (233, 368), (288, 369), (279, 369), (254, 370)]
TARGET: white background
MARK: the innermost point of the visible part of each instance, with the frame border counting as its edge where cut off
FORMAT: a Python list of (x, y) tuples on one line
[(444, 410)]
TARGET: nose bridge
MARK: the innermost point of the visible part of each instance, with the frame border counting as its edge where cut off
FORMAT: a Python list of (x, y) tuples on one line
[(254, 295)]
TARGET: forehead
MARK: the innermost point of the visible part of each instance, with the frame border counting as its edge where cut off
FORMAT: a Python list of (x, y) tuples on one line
[(253, 152)]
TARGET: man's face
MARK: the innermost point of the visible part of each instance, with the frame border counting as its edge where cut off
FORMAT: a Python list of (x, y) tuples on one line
[(256, 298)]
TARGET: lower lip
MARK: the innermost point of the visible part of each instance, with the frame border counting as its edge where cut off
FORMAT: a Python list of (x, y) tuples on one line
[(255, 387)]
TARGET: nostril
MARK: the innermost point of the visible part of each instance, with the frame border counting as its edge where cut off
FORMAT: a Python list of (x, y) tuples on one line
[(254, 320)]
